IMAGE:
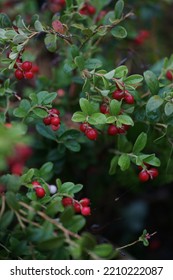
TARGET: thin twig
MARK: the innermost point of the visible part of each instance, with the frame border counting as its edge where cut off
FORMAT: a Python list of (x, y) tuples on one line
[(2, 206)]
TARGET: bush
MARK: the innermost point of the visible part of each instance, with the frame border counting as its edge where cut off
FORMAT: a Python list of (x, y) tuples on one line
[(77, 111)]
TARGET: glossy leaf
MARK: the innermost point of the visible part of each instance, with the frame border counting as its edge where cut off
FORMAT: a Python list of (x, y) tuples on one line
[(151, 81), (140, 143)]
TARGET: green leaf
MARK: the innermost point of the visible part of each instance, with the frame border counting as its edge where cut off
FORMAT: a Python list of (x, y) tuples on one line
[(45, 131), (39, 112), (104, 92), (78, 117), (119, 32), (46, 169), (27, 177), (145, 242), (72, 145), (6, 219), (150, 159), (121, 71), (133, 79), (20, 112), (11, 200), (109, 17), (69, 66), (76, 223), (168, 109), (19, 38), (111, 119), (103, 250), (109, 75), (51, 244), (69, 188), (125, 119), (119, 6), (25, 104), (80, 62), (66, 188), (93, 63), (85, 106), (151, 81), (87, 241), (115, 107), (10, 34), (45, 97), (54, 206), (113, 165), (5, 21), (124, 162), (140, 143), (154, 103), (97, 118), (50, 42), (38, 26)]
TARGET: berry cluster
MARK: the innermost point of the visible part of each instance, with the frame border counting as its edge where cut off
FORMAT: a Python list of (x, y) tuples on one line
[(24, 69), (53, 119), (123, 95), (87, 10), (91, 133), (81, 206), (115, 130), (17, 161), (141, 37), (39, 190), (147, 173)]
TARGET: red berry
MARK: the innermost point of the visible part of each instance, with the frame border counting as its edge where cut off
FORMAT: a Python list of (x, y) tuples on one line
[(23, 151), (91, 10), (144, 34), (54, 111), (17, 168), (153, 172), (86, 211), (123, 129), (169, 75), (35, 183), (129, 99), (47, 120), (84, 10), (29, 75), (104, 108), (85, 201), (77, 207), (143, 176), (35, 69), (55, 127), (40, 192), (55, 121), (8, 125), (113, 130), (118, 94), (138, 40), (19, 74), (62, 2), (91, 133), (26, 66), (83, 127), (67, 201)]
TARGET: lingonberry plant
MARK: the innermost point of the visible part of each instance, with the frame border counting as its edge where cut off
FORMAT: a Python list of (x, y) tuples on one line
[(56, 114)]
